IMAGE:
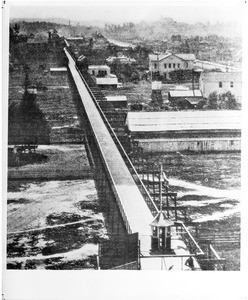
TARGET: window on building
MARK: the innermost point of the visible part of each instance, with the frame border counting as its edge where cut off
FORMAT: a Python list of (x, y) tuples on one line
[(231, 84), (165, 66), (220, 84), (178, 65), (155, 66), (187, 65), (154, 231), (169, 66), (174, 66), (93, 72)]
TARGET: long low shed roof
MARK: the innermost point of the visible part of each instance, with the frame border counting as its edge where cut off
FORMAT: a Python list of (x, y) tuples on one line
[(106, 80), (183, 94), (116, 98), (183, 120)]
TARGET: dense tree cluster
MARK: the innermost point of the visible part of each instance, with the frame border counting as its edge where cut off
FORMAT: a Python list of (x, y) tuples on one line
[(157, 99), (125, 72), (220, 101)]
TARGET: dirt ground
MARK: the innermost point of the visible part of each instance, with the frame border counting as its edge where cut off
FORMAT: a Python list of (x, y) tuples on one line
[(53, 225), (209, 186), (63, 162)]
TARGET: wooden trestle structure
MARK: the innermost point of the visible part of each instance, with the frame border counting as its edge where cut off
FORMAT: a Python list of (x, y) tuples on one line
[(137, 200)]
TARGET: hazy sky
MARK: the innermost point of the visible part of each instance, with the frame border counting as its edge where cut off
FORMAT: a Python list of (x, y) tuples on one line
[(135, 11)]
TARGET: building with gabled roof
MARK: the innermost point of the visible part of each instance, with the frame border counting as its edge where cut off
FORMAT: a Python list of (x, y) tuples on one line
[(192, 96), (165, 63)]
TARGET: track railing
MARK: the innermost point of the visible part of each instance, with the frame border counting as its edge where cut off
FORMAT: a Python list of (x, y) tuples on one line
[(189, 239)]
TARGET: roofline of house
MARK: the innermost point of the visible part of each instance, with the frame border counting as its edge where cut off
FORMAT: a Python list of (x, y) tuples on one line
[(169, 56), (184, 59)]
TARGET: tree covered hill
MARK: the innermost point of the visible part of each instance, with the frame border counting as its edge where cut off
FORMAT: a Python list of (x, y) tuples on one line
[(33, 27), (166, 27), (220, 42), (163, 28)]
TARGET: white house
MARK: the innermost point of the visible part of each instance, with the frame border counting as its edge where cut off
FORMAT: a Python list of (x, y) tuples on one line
[(99, 70), (103, 77), (165, 63), (221, 82)]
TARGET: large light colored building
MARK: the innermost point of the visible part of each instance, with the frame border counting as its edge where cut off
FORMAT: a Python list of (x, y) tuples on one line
[(220, 83), (174, 131), (165, 63)]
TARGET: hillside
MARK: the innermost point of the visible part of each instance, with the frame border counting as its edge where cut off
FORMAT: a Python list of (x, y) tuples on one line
[(162, 28), (166, 27), (32, 27), (30, 68)]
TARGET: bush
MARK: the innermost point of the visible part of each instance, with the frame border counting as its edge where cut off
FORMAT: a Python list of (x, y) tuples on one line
[(157, 97), (157, 77), (228, 101), (201, 104), (181, 75), (222, 101), (135, 77), (212, 101)]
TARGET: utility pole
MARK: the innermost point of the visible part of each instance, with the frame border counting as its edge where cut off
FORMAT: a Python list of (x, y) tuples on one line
[(157, 62), (151, 70), (193, 82)]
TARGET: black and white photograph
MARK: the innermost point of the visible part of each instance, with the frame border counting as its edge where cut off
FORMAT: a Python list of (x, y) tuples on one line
[(123, 138)]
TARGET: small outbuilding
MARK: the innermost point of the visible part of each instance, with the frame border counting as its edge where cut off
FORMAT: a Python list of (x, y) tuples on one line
[(190, 96), (117, 101), (114, 102), (107, 82), (99, 70), (59, 70)]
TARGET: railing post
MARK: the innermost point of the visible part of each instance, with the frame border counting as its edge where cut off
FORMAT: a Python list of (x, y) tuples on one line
[(98, 262)]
